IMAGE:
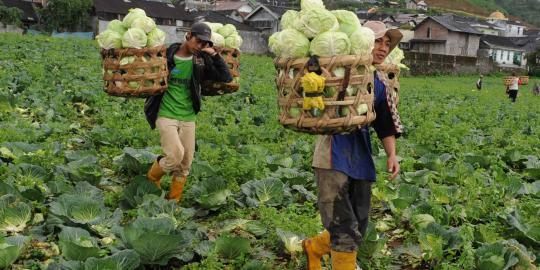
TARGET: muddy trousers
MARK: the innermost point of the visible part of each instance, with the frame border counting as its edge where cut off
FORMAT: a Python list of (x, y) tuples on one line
[(178, 143), (344, 205)]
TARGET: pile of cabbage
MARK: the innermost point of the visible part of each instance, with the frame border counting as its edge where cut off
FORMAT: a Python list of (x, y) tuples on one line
[(135, 31), (225, 35), (314, 30)]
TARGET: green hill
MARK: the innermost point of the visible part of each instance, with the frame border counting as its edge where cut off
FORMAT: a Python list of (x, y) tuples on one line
[(526, 10)]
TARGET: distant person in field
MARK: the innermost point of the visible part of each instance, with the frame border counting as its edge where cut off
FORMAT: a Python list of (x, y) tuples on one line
[(174, 112), (536, 89), (513, 87), (345, 170), (479, 83)]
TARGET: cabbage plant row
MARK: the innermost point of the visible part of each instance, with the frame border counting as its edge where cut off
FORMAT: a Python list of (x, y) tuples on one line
[(73, 194)]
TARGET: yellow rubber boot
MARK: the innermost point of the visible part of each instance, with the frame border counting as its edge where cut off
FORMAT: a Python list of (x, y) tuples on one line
[(155, 173), (177, 188), (314, 248), (343, 260)]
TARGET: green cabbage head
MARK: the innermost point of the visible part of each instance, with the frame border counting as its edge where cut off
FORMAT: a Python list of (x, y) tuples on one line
[(330, 44), (316, 20), (116, 26), (133, 14), (288, 18), (156, 38), (144, 23), (227, 30), (109, 39), (348, 21), (310, 4), (214, 26), (218, 39), (134, 38), (362, 41), (234, 41), (289, 43)]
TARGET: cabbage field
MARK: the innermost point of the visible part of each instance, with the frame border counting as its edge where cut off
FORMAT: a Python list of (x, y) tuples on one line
[(73, 194)]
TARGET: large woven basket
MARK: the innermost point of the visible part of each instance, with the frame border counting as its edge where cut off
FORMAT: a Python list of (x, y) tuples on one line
[(390, 73), (524, 80), (340, 114), (508, 80), (145, 74), (232, 59)]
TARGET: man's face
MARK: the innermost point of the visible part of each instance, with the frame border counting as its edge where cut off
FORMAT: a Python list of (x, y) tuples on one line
[(195, 45), (381, 50)]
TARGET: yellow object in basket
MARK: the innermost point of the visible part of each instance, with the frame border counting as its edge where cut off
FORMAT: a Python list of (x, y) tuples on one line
[(313, 86)]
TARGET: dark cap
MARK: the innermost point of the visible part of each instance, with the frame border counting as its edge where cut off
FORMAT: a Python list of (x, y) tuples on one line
[(202, 31)]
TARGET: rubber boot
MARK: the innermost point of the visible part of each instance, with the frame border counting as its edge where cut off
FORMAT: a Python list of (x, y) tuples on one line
[(343, 260), (177, 188), (314, 248), (155, 173)]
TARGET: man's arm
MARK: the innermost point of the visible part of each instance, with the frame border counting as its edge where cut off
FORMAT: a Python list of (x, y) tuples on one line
[(392, 164), (215, 67)]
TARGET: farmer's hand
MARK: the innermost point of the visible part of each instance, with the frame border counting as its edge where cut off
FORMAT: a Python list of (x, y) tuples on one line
[(209, 50), (392, 165)]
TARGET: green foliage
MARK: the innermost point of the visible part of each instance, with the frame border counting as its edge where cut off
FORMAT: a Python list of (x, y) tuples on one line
[(10, 15), (232, 247), (10, 249), (77, 244), (66, 15)]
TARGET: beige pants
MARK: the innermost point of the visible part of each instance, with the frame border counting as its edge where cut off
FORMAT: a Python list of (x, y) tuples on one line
[(178, 143)]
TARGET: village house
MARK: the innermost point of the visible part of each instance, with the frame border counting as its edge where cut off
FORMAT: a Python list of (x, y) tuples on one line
[(509, 52), (506, 27), (418, 5), (236, 10), (266, 18), (445, 35)]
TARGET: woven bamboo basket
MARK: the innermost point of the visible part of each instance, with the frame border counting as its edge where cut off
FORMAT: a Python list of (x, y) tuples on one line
[(390, 73), (342, 97), (144, 75), (508, 80), (524, 80), (232, 59)]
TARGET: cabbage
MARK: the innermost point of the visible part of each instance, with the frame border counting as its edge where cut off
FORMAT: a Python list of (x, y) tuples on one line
[(314, 21), (234, 41), (116, 26), (310, 4), (134, 38), (214, 26), (218, 40), (144, 23), (288, 18), (348, 21), (362, 41), (156, 38), (127, 60), (109, 39), (227, 30), (330, 44), (133, 14), (395, 57), (289, 43)]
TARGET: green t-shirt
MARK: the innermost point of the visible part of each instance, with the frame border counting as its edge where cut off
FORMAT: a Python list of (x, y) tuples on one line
[(177, 103)]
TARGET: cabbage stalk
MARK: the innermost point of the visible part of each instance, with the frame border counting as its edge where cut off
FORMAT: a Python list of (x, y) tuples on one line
[(134, 38), (315, 21), (109, 39), (330, 44)]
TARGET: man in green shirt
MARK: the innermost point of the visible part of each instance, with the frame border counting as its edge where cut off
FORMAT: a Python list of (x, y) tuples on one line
[(174, 112)]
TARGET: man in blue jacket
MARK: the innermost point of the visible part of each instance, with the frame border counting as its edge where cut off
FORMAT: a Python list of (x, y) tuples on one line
[(345, 170)]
